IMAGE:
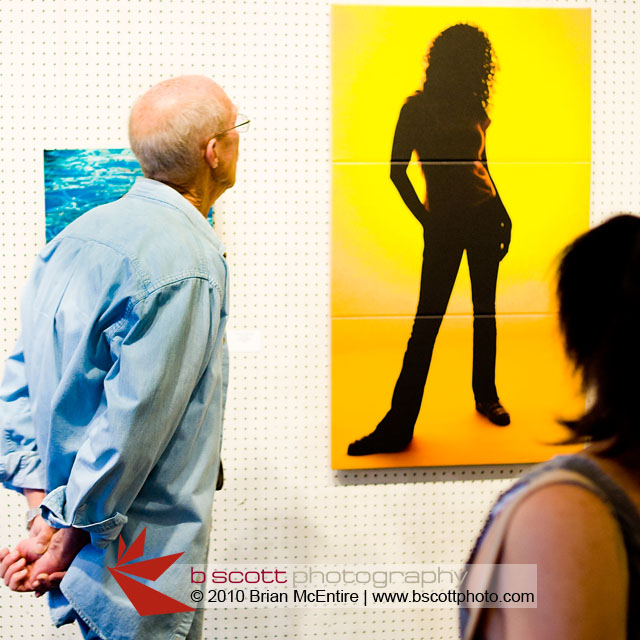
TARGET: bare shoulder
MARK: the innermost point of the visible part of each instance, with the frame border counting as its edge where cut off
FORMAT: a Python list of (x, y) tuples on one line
[(562, 509), (571, 535)]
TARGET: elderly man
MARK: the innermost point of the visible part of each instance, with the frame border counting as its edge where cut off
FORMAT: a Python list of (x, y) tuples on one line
[(112, 401)]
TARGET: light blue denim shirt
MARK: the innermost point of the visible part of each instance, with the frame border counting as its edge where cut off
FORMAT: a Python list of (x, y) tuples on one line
[(113, 398)]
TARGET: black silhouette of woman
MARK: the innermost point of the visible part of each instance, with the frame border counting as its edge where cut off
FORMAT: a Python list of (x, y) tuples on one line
[(446, 124)]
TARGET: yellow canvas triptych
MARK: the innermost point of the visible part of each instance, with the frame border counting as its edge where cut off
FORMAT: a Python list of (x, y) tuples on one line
[(461, 168)]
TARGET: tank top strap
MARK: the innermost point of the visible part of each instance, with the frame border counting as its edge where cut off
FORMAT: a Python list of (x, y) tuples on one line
[(621, 504)]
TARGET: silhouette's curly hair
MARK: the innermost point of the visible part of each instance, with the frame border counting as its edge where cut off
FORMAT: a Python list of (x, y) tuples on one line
[(461, 65)]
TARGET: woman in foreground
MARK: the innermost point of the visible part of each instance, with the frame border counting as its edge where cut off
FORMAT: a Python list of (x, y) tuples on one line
[(577, 517)]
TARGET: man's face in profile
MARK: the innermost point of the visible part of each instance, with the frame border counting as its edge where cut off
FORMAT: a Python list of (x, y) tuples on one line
[(227, 149)]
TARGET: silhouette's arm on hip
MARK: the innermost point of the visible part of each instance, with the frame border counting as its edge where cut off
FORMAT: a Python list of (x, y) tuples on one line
[(403, 146), (505, 222)]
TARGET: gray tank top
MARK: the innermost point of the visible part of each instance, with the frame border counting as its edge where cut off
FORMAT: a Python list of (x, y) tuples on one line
[(625, 512)]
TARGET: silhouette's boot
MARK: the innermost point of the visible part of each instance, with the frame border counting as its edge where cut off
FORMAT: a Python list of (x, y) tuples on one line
[(494, 412), (387, 437)]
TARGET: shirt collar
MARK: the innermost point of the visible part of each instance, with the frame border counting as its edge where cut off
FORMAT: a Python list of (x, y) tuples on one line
[(154, 190)]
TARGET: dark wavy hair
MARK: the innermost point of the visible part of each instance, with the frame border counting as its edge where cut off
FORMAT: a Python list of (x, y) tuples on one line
[(599, 303), (461, 65)]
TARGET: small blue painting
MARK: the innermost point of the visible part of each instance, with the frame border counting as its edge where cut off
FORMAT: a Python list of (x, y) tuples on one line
[(76, 180)]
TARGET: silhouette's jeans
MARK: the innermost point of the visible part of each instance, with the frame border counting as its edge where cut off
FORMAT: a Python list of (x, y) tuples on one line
[(446, 236)]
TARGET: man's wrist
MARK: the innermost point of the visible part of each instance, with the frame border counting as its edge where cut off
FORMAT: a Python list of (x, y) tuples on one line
[(71, 540), (32, 514), (34, 497)]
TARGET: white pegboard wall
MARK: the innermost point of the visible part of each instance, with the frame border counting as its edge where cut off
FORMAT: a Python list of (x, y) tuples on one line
[(69, 72)]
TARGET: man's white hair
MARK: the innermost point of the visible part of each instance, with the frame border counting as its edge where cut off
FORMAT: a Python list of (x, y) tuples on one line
[(170, 150)]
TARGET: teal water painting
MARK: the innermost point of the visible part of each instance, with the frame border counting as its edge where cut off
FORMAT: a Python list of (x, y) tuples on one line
[(76, 180)]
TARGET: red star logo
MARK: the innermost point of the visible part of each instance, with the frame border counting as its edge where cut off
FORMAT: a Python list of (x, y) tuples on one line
[(146, 600)]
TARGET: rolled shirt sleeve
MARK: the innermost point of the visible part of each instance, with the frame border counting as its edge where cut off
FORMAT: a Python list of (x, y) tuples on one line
[(20, 463), (160, 350)]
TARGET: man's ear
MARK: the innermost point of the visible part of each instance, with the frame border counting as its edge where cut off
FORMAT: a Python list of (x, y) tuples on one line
[(210, 154)]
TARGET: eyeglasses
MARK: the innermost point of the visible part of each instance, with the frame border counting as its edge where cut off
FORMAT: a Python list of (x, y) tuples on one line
[(242, 125)]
